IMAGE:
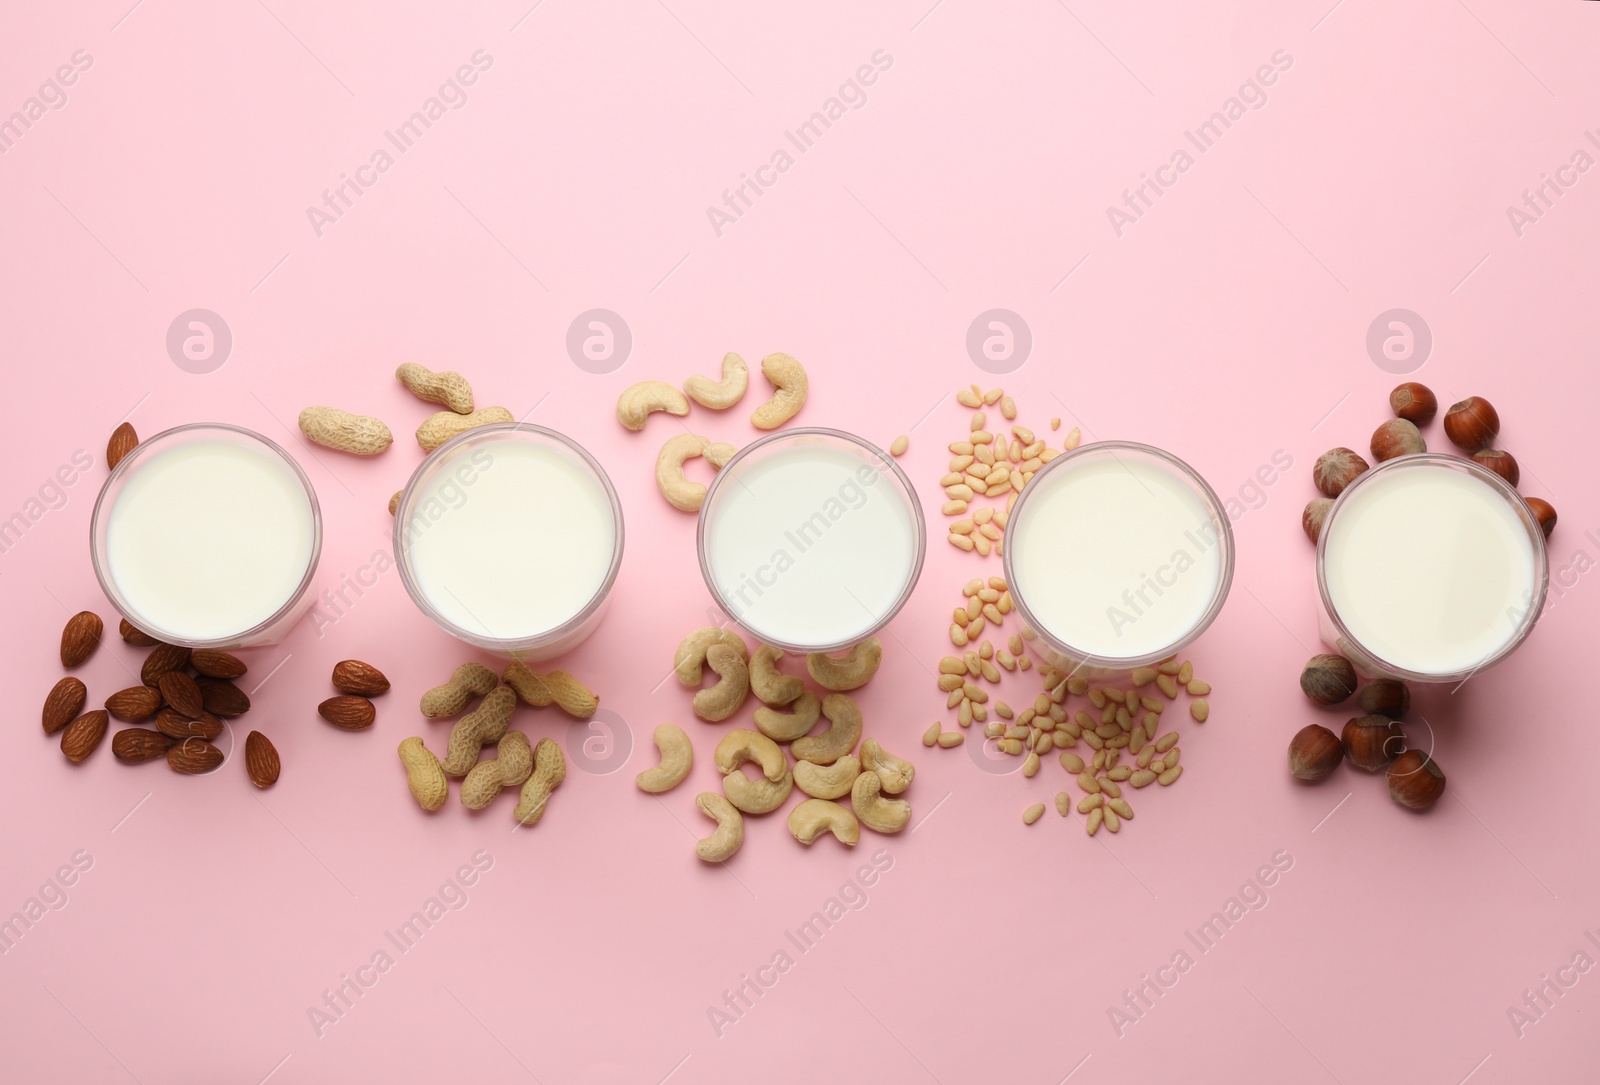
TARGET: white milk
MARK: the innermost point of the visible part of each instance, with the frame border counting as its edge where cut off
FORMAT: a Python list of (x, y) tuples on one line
[(209, 538), (1428, 568), (511, 540), (1114, 557), (810, 545)]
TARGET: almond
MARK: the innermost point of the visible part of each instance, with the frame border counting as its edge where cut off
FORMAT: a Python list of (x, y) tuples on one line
[(181, 693), (348, 713), (63, 703), (134, 703), (133, 745), (80, 638), (83, 735), (193, 756), (136, 636), (358, 678), (163, 658), (222, 698), (261, 760), (176, 725), (123, 440), (217, 664)]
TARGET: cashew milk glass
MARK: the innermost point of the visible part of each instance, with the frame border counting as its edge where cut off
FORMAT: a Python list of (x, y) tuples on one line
[(811, 539)]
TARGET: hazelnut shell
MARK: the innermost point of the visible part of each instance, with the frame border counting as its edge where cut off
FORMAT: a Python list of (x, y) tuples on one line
[(1314, 752), (1544, 512), (1415, 780), (1396, 437), (1316, 511), (1328, 679), (1500, 462), (1371, 742), (1414, 402), (1472, 424), (1335, 469)]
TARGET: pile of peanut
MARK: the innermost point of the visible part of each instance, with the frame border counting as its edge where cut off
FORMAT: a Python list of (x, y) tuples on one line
[(639, 401), (1116, 722), (537, 769), (824, 765)]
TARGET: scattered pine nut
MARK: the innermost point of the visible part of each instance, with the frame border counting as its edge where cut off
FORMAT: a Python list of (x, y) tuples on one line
[(1143, 676), (1063, 803), (931, 735), (950, 739), (1197, 688), (1092, 824), (993, 396), (1165, 683), (1199, 709), (1167, 777), (968, 398), (1033, 813), (1072, 439), (901, 443)]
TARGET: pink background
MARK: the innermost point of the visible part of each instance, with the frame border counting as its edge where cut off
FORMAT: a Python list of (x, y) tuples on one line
[(1227, 324)]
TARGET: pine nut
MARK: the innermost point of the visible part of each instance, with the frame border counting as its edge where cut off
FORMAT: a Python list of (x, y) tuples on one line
[(1124, 811), (977, 421), (1146, 755), (1077, 685), (950, 739), (1092, 740), (1062, 740), (955, 698), (1142, 778), (1112, 821), (1099, 761), (1097, 697), (1011, 746), (962, 527), (1063, 803), (931, 735), (1055, 423), (960, 463), (1003, 710), (1033, 813), (956, 508), (1088, 782), (958, 634), (1169, 666), (1041, 742), (1137, 739), (1143, 676), (1170, 775), (1167, 686), (1172, 755), (1199, 708), (1030, 765), (994, 729), (951, 479), (964, 713), (1119, 773), (1108, 714), (948, 682), (979, 712), (975, 627), (1166, 742), (1006, 660), (1005, 604), (1108, 730), (961, 448), (1197, 688), (1072, 439), (968, 398), (1008, 407), (1185, 673), (1110, 787), (1153, 705), (1089, 802), (1091, 824), (1113, 695), (982, 544), (993, 396), (952, 665), (1124, 721), (1023, 662), (998, 583), (1072, 763), (973, 587)]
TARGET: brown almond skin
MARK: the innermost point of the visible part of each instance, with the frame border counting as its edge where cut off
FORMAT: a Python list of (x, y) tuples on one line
[(193, 756), (136, 636), (261, 760), (136, 745), (181, 693), (123, 439), (80, 637), (214, 663), (222, 698), (134, 703), (63, 703), (348, 713), (163, 658), (176, 725), (83, 734), (359, 679)]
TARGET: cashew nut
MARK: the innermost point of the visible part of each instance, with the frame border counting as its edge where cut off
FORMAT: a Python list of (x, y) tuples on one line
[(691, 653), (549, 769), (716, 703), (789, 378), (837, 740), (770, 684), (637, 401), (894, 773), (827, 781), (720, 453), (481, 727), (814, 817), (849, 671), (681, 492), (677, 758), (877, 813), (739, 747), (788, 726), (511, 766), (720, 395), (758, 796), (721, 845)]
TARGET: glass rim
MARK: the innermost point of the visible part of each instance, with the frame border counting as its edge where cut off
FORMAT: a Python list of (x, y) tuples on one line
[(400, 541), (1503, 489), (127, 465), (1225, 540), (908, 492)]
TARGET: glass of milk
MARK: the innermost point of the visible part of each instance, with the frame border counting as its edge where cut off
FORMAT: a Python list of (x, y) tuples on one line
[(811, 539), (208, 536), (1117, 556), (509, 536), (1429, 568)]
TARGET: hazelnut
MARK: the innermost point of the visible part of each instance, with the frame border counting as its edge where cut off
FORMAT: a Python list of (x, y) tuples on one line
[(1315, 512), (1544, 512), (1415, 781), (1386, 697), (1371, 742), (1414, 402), (1471, 424), (1314, 752), (1501, 463), (1328, 679), (1335, 469), (1396, 437)]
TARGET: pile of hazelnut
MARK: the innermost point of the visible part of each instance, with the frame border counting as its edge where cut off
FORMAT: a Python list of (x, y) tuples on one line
[(1375, 740), (1372, 742), (1471, 425)]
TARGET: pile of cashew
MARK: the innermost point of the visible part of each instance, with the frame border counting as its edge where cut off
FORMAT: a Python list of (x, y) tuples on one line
[(770, 684), (850, 671)]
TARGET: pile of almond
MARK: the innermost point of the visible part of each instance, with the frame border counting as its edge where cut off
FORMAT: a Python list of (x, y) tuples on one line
[(177, 710)]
